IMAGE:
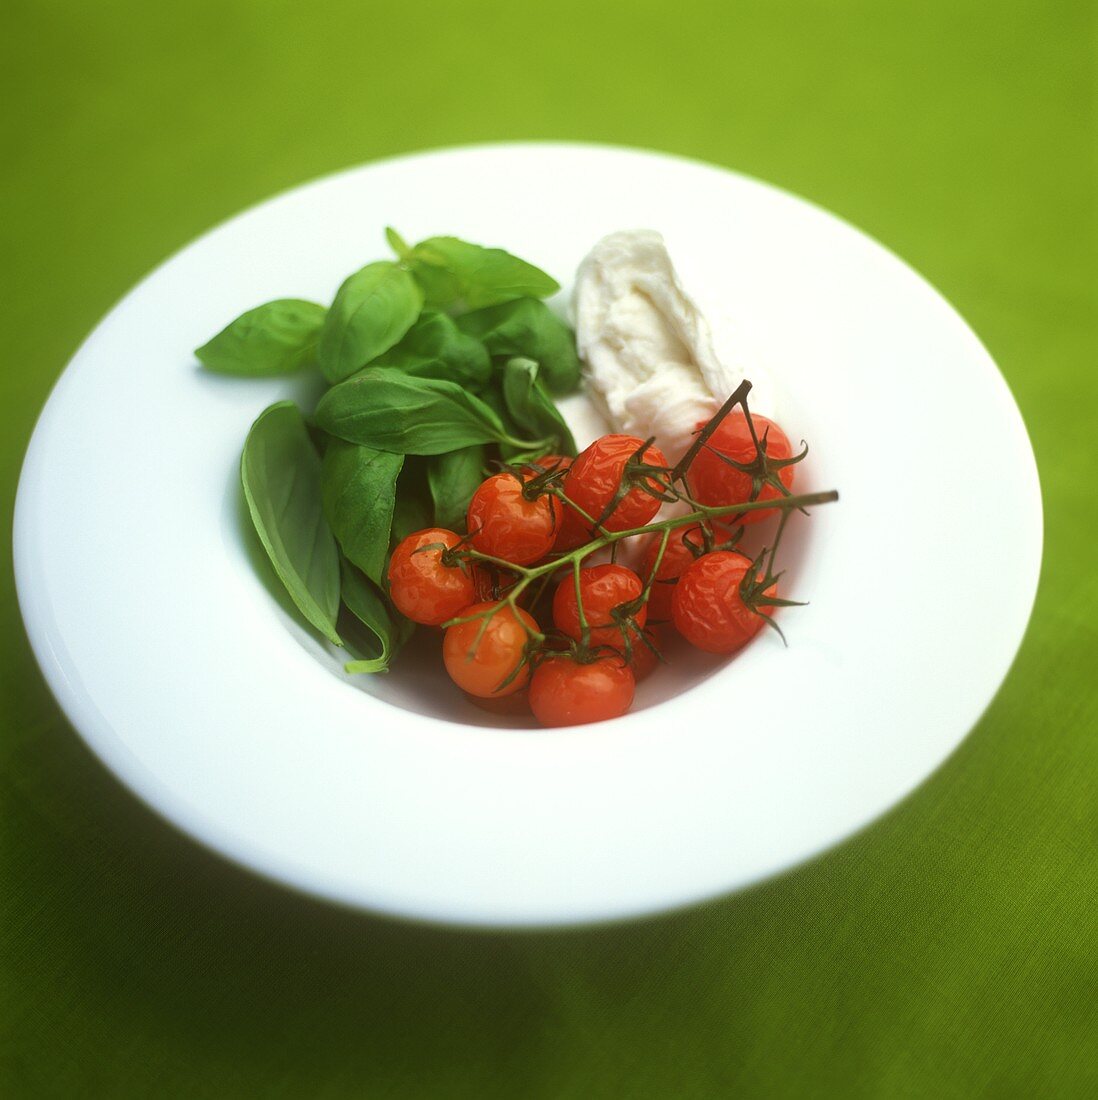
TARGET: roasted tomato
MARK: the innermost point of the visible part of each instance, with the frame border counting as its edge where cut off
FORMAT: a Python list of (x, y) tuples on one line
[(708, 607), (481, 656), (422, 587), (714, 482), (504, 522), (566, 692), (603, 589)]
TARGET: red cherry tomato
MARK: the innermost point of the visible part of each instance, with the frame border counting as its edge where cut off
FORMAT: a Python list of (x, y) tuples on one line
[(602, 588), (683, 547), (504, 523), (480, 665), (421, 586), (707, 606), (712, 481), (595, 476), (564, 692)]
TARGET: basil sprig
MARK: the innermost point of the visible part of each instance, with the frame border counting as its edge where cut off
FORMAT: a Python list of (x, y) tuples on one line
[(439, 364)]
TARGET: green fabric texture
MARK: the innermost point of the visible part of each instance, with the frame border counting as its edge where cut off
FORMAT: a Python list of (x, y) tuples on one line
[(950, 950)]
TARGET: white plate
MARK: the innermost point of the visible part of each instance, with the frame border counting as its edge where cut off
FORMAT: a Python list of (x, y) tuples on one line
[(171, 658)]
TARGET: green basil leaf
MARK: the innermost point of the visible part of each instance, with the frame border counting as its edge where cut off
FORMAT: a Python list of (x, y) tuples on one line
[(385, 408), (273, 338), (385, 630), (413, 511), (434, 347), (359, 487), (372, 310), (280, 472), (531, 408), (455, 274), (530, 329), (454, 478)]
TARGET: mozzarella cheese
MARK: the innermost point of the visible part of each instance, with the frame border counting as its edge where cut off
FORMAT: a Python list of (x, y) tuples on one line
[(648, 355)]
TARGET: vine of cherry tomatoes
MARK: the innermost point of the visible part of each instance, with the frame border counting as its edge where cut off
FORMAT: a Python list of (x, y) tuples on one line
[(527, 621)]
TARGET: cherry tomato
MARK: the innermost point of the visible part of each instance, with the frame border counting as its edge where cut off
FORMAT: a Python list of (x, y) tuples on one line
[(713, 482), (564, 692), (478, 667), (683, 547), (594, 478), (421, 586), (504, 523), (602, 588), (707, 607)]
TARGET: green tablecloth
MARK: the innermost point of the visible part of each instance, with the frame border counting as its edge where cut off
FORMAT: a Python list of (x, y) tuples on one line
[(950, 950)]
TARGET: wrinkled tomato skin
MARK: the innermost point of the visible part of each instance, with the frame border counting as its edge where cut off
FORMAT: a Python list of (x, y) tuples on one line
[(677, 557), (421, 587), (706, 607), (603, 587), (566, 693), (480, 667), (715, 483), (503, 523), (594, 477)]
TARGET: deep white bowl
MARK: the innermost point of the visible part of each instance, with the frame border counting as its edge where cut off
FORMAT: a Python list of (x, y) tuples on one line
[(156, 631)]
